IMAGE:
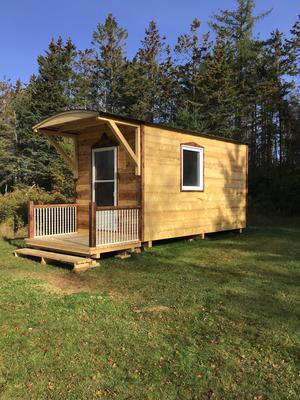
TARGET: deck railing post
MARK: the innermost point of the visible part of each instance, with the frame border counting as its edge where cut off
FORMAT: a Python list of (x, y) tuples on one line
[(30, 220), (92, 224)]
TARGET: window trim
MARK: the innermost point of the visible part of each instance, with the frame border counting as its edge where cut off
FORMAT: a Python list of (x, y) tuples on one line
[(197, 148)]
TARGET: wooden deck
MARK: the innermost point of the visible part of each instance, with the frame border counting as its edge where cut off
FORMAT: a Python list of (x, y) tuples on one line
[(77, 243)]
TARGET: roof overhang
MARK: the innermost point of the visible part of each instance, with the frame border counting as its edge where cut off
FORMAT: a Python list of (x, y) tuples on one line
[(72, 123), (82, 118), (64, 118)]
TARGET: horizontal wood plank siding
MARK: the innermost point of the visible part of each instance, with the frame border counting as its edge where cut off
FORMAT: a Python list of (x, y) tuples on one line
[(170, 212)]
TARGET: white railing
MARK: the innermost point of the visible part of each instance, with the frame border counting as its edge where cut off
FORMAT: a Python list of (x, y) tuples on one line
[(117, 225), (54, 219)]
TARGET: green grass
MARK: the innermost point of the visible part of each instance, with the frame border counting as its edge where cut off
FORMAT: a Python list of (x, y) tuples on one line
[(213, 319)]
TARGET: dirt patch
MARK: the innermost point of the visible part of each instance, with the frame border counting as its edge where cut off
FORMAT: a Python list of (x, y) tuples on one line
[(153, 309), (66, 283)]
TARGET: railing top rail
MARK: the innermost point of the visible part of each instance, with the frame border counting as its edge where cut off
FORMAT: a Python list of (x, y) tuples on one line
[(53, 205), (118, 208)]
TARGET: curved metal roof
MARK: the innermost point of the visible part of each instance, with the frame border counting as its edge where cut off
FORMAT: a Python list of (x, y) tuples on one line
[(54, 121)]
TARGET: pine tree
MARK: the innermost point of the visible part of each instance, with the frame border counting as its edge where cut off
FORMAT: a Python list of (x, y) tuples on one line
[(273, 89), (190, 51), (216, 92), (169, 89), (146, 76), (53, 86), (83, 78), (235, 28), (293, 47), (238, 87), (7, 137), (49, 92), (108, 61)]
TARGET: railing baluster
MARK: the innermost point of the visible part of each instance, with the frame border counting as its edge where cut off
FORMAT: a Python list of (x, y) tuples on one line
[(50, 221), (103, 227), (130, 227), (72, 219), (133, 225), (39, 223), (128, 223), (117, 225), (124, 225), (110, 227), (97, 228), (35, 222), (60, 220), (53, 220)]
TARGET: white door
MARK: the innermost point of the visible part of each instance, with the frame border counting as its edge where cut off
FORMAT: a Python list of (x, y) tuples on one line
[(104, 174)]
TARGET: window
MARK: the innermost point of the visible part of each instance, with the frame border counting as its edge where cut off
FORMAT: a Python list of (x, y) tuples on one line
[(191, 168)]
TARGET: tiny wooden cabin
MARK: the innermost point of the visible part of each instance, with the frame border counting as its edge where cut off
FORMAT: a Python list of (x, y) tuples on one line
[(137, 182)]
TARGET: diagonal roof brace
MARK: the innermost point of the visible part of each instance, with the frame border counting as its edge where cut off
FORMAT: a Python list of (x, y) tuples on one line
[(64, 155), (123, 142)]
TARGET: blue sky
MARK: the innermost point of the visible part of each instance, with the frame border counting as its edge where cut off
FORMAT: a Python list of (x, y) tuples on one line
[(28, 25)]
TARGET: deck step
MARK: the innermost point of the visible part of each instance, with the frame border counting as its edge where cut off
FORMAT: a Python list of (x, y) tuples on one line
[(79, 263)]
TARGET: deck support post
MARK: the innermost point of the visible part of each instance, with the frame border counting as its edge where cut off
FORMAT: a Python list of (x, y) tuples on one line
[(43, 261), (147, 245), (92, 224), (30, 220)]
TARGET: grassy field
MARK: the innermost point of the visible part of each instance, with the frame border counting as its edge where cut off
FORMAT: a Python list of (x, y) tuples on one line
[(213, 319)]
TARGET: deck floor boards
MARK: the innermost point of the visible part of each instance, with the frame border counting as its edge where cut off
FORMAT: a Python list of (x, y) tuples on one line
[(76, 243)]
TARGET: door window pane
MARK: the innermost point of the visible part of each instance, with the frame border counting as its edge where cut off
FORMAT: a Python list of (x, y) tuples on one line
[(104, 165), (104, 193)]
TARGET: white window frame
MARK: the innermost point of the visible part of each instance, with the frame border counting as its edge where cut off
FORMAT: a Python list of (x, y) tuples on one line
[(115, 180), (199, 150)]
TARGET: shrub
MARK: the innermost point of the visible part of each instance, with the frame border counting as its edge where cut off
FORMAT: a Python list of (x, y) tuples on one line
[(14, 205)]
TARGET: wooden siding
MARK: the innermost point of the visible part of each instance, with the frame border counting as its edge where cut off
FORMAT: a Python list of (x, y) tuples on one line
[(128, 182), (169, 212)]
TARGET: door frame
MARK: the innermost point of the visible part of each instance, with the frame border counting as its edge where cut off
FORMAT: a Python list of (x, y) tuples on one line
[(115, 180)]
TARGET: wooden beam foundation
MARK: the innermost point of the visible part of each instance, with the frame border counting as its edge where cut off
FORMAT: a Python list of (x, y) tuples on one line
[(122, 255), (147, 245)]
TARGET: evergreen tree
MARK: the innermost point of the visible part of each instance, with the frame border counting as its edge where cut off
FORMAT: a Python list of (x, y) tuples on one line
[(146, 76), (272, 92), (108, 65), (169, 89), (216, 92), (235, 28), (293, 47), (49, 92), (238, 87), (7, 136), (83, 79), (190, 51)]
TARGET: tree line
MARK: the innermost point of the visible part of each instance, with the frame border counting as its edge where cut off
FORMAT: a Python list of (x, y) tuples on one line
[(227, 82)]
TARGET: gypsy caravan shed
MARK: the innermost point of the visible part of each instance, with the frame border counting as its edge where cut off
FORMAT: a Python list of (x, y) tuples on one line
[(137, 182)]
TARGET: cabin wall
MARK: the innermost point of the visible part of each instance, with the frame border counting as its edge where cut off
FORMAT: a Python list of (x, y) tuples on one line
[(128, 182), (169, 212)]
